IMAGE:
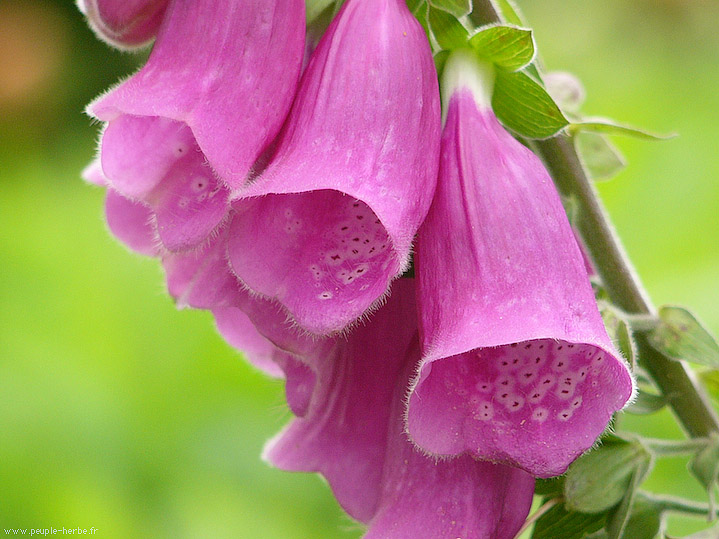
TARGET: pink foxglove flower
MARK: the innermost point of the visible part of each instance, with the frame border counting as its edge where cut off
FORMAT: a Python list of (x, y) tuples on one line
[(125, 24), (351, 401), (517, 366), (329, 223), (193, 121)]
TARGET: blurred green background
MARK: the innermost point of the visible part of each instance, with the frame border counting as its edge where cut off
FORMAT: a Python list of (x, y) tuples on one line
[(119, 412)]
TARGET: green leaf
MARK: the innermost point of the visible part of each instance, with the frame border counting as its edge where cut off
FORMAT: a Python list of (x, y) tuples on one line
[(680, 335), (710, 379), (523, 106), (447, 30), (559, 522), (599, 156), (314, 8), (549, 488), (458, 8), (439, 60), (510, 12), (705, 467), (619, 331), (612, 128), (599, 480), (646, 403), (645, 519), (506, 46), (618, 518)]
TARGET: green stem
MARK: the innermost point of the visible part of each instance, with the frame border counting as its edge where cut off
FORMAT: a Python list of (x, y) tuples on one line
[(671, 448), (679, 505), (685, 397)]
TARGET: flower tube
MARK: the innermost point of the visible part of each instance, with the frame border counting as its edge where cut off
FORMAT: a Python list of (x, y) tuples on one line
[(190, 125), (517, 366), (329, 224), (352, 432), (126, 24)]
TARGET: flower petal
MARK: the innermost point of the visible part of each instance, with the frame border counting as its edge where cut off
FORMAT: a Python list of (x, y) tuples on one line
[(343, 432), (517, 365), (124, 23), (356, 162), (131, 223), (226, 69)]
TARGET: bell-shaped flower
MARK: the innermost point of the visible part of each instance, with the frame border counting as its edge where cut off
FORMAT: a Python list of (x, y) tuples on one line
[(329, 223), (351, 430), (195, 119), (517, 366), (126, 24)]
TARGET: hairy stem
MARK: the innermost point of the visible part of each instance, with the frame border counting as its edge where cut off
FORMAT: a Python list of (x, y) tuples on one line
[(685, 396)]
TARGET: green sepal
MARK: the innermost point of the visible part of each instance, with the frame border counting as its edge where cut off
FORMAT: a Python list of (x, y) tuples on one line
[(507, 47), (619, 331), (526, 108), (645, 519), (598, 480), (458, 8), (510, 12), (610, 127), (705, 467), (314, 8), (618, 518), (710, 533), (646, 403), (679, 335), (560, 522), (599, 156), (447, 30), (549, 488), (440, 58)]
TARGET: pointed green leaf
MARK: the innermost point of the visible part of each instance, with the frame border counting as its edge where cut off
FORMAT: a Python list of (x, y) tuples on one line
[(612, 128), (523, 106), (458, 8), (506, 46), (439, 60), (447, 30), (680, 335), (618, 518), (705, 467), (646, 403), (559, 522), (599, 156), (645, 519), (314, 8), (510, 12), (549, 488), (598, 480), (619, 331)]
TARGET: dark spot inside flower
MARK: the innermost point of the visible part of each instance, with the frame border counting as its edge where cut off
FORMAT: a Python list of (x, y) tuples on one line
[(559, 347), (361, 270), (335, 257), (360, 217), (515, 404), (505, 395), (355, 239), (537, 360), (344, 228), (513, 345), (355, 251), (528, 345)]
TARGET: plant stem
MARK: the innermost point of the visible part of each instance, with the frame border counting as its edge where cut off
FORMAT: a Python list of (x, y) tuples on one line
[(670, 448), (685, 397), (537, 514), (679, 505)]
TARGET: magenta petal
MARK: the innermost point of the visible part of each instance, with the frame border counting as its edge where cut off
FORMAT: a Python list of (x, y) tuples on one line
[(240, 333), (124, 23), (343, 432), (130, 222), (202, 279), (458, 497), (189, 204), (517, 365), (226, 69), (137, 152), (329, 223), (93, 174)]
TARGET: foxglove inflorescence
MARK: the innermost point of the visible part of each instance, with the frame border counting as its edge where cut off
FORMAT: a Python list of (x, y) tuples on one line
[(288, 207)]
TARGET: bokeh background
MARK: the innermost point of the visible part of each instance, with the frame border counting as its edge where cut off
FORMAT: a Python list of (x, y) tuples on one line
[(119, 412)]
